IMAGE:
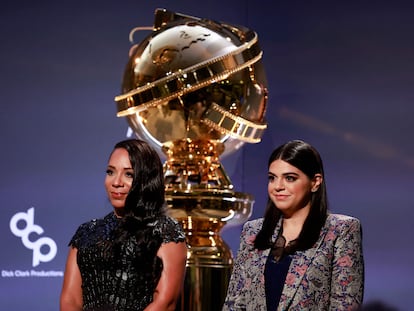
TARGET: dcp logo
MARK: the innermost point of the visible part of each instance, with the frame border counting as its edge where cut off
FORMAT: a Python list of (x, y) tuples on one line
[(36, 245)]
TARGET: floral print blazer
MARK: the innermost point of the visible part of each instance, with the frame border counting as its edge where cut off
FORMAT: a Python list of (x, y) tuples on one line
[(329, 276)]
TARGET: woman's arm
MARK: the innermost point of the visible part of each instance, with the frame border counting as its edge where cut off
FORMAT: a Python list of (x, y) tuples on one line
[(347, 287), (71, 295), (170, 285)]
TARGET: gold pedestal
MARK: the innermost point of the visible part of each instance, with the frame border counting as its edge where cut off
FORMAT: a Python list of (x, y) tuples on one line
[(199, 195), (204, 288), (209, 265)]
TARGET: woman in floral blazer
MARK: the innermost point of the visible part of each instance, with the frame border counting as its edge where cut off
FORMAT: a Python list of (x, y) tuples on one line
[(299, 256)]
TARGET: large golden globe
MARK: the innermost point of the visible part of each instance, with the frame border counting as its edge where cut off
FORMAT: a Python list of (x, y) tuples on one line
[(196, 79)]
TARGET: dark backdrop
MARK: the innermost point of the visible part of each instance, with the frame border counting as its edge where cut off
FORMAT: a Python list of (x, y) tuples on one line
[(340, 76)]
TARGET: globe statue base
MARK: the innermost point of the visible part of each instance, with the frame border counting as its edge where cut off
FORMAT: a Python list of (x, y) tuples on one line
[(193, 174)]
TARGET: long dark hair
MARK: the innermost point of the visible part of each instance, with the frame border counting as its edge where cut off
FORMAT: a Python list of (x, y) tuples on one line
[(307, 159), (146, 197), (144, 203)]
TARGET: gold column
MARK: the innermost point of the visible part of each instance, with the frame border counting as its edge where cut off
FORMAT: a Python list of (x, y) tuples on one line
[(199, 194)]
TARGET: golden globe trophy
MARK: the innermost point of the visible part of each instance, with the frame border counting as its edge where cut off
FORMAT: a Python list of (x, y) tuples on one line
[(195, 89)]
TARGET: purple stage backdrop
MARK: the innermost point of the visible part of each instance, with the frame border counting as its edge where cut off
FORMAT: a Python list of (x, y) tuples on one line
[(340, 76)]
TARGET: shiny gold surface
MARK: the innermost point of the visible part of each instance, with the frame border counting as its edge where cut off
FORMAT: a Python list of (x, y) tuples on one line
[(188, 79), (193, 78), (224, 121), (199, 194), (204, 288), (197, 91)]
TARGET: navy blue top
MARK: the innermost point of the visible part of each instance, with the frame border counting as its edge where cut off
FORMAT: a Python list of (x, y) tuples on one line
[(275, 276)]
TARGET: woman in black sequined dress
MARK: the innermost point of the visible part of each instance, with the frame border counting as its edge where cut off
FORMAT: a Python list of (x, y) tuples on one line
[(133, 258)]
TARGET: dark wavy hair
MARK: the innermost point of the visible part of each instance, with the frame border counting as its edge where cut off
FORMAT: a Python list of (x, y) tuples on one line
[(307, 159), (144, 203), (146, 197)]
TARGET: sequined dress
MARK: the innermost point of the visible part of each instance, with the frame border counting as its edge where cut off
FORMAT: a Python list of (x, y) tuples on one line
[(127, 284)]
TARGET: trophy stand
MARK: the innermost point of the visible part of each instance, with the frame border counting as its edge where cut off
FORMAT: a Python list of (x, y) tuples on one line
[(199, 195)]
